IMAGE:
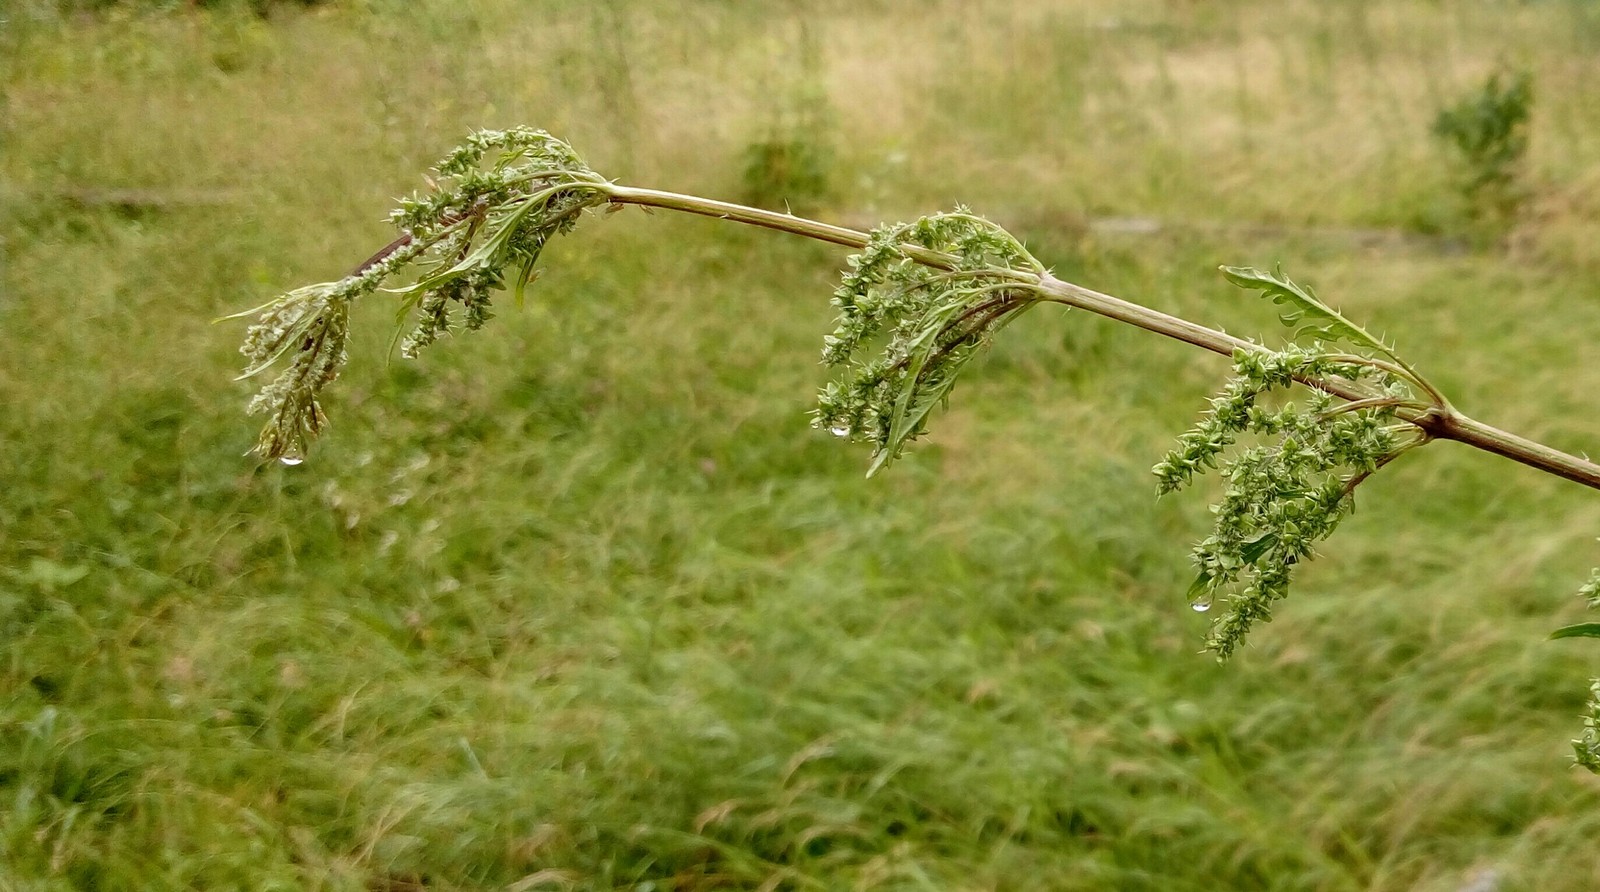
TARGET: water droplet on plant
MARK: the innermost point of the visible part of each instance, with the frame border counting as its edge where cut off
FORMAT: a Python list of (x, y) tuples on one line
[(840, 430), (1201, 606), (292, 460)]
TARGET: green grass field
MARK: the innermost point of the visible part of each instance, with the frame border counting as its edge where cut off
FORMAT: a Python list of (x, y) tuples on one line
[(581, 602)]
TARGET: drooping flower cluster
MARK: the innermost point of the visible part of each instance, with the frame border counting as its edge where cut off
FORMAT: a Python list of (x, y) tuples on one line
[(498, 200), (1289, 486), (927, 295), (311, 324), (1285, 491), (485, 226)]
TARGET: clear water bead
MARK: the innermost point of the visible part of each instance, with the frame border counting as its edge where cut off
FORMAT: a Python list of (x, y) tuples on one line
[(840, 430), (1201, 606), (292, 460)]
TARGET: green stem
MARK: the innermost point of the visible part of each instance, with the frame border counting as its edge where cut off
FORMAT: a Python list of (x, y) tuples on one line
[(1400, 370), (1377, 402), (738, 213), (1441, 422), (1455, 426)]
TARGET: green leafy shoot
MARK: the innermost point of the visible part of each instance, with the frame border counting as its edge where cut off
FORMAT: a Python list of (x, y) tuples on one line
[(928, 295), (1313, 322), (1290, 471), (496, 203)]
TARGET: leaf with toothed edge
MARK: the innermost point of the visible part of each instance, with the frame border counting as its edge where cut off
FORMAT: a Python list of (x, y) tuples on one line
[(1316, 320)]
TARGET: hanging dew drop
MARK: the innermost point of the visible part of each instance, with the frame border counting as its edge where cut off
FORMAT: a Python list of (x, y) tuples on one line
[(292, 460), (840, 430), (1201, 606)]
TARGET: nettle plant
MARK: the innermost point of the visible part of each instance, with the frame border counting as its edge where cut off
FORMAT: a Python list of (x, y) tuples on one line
[(915, 305)]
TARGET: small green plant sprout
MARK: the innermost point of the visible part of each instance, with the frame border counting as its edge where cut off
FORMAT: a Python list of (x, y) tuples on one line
[(1488, 131), (917, 302)]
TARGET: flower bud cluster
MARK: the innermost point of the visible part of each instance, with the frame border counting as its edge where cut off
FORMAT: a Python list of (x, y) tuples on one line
[(1288, 488), (1586, 749), (1590, 591), (499, 199), (485, 225), (317, 328), (923, 321)]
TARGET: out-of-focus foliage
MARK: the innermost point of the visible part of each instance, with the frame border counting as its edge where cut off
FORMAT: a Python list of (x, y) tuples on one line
[(1488, 131)]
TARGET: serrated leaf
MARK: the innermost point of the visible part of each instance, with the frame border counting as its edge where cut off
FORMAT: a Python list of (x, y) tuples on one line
[(1323, 323), (1579, 630), (256, 311), (918, 397)]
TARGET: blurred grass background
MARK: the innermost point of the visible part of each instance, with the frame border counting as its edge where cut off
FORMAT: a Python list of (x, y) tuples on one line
[(582, 603)]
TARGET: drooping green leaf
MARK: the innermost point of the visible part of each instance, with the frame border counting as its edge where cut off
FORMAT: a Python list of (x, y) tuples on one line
[(1577, 630), (904, 421)]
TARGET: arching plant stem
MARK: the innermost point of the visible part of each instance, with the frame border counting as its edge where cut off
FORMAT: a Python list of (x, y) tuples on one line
[(1439, 422)]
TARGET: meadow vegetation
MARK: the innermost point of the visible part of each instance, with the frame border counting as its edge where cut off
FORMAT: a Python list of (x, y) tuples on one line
[(583, 603)]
